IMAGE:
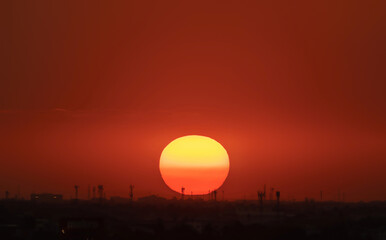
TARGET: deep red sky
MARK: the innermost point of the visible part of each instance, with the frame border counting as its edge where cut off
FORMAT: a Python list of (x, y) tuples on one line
[(92, 91)]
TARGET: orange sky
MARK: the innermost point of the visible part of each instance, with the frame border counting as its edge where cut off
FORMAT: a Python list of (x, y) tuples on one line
[(91, 93)]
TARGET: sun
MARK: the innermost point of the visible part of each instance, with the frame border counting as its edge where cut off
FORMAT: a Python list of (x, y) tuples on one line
[(196, 163)]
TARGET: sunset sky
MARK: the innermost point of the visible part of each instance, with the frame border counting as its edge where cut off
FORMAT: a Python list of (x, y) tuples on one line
[(91, 92)]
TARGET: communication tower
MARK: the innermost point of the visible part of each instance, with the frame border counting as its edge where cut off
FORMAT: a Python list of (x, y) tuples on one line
[(182, 193)]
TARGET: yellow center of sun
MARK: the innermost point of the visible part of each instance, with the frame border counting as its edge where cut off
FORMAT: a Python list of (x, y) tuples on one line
[(198, 164)]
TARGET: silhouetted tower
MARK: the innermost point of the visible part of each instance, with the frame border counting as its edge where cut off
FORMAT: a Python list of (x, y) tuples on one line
[(131, 192), (100, 191), (264, 191), (76, 191), (260, 196), (215, 195), (182, 193), (93, 192), (6, 194), (278, 198), (223, 197), (88, 192)]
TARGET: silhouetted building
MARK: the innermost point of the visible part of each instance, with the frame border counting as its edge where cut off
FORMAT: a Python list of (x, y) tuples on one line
[(82, 228), (152, 199), (46, 197), (119, 200), (154, 217)]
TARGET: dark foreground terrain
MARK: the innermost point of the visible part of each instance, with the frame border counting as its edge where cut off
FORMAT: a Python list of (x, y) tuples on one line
[(156, 218)]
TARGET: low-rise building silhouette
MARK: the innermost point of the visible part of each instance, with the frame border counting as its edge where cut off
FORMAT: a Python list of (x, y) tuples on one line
[(46, 197)]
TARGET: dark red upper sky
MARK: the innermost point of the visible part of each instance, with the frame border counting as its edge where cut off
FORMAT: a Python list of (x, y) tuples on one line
[(92, 91)]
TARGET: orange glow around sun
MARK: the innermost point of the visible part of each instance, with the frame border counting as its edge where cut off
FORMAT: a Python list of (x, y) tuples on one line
[(197, 163)]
